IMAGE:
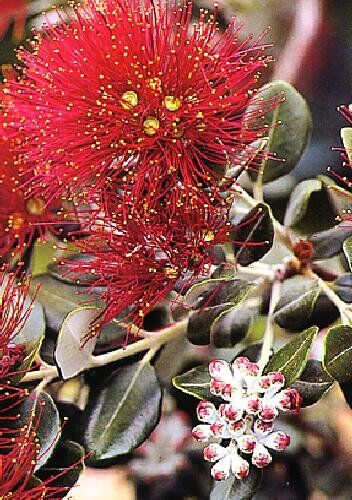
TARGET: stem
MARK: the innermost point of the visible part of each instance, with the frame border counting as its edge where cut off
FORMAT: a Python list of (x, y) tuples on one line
[(281, 232), (258, 188), (152, 344), (269, 331), (344, 309), (156, 341)]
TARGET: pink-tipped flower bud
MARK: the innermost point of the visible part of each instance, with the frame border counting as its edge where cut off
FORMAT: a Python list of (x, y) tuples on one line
[(206, 411), (254, 405), (217, 429), (236, 429), (290, 400), (230, 412), (246, 443), (239, 467), (202, 433), (261, 457), (268, 413), (277, 378), (219, 368), (221, 470), (214, 452)]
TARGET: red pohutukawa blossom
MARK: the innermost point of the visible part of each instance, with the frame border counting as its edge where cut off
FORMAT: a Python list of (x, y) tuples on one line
[(22, 218), (16, 11), (132, 94), (138, 264)]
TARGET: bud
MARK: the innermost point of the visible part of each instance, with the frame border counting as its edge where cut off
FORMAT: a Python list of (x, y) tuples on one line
[(261, 457)]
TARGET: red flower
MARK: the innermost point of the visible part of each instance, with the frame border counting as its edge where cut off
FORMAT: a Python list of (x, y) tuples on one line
[(22, 218), (13, 10), (134, 96), (19, 451), (138, 264)]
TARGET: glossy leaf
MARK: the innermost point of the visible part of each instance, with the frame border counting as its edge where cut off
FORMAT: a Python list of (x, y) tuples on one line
[(291, 359), (122, 412), (202, 322), (72, 353), (329, 243), (49, 429), (313, 382), (195, 382), (298, 203), (337, 358), (290, 125), (296, 305), (253, 236)]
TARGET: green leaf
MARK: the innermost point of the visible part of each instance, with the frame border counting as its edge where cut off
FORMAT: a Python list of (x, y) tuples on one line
[(253, 236), (214, 292), (330, 242), (291, 360), (58, 299), (201, 322), (347, 249), (72, 353), (337, 359), (298, 203), (49, 430), (233, 326), (68, 456), (123, 412), (340, 199), (313, 382), (238, 489), (346, 135), (290, 125), (293, 311), (195, 382)]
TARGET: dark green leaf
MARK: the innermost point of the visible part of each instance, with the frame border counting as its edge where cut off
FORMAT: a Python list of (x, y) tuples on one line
[(291, 360), (235, 489), (290, 125), (48, 431), (343, 287), (313, 382), (346, 388), (298, 204), (122, 413), (253, 236), (233, 326), (337, 359), (329, 243), (202, 321), (195, 382), (298, 298), (347, 248), (68, 456), (214, 292)]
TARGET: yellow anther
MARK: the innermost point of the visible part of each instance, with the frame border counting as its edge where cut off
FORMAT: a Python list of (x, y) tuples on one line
[(35, 206), (171, 272), (172, 103), (151, 125), (129, 99), (209, 236)]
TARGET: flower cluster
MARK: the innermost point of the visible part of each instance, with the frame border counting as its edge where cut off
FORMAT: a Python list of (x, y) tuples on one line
[(246, 419), (141, 131)]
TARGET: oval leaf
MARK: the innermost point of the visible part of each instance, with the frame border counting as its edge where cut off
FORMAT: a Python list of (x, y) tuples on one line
[(337, 359), (291, 360), (195, 382), (290, 125), (329, 243), (49, 430), (253, 236), (298, 203), (313, 382), (295, 314), (72, 355), (122, 413)]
